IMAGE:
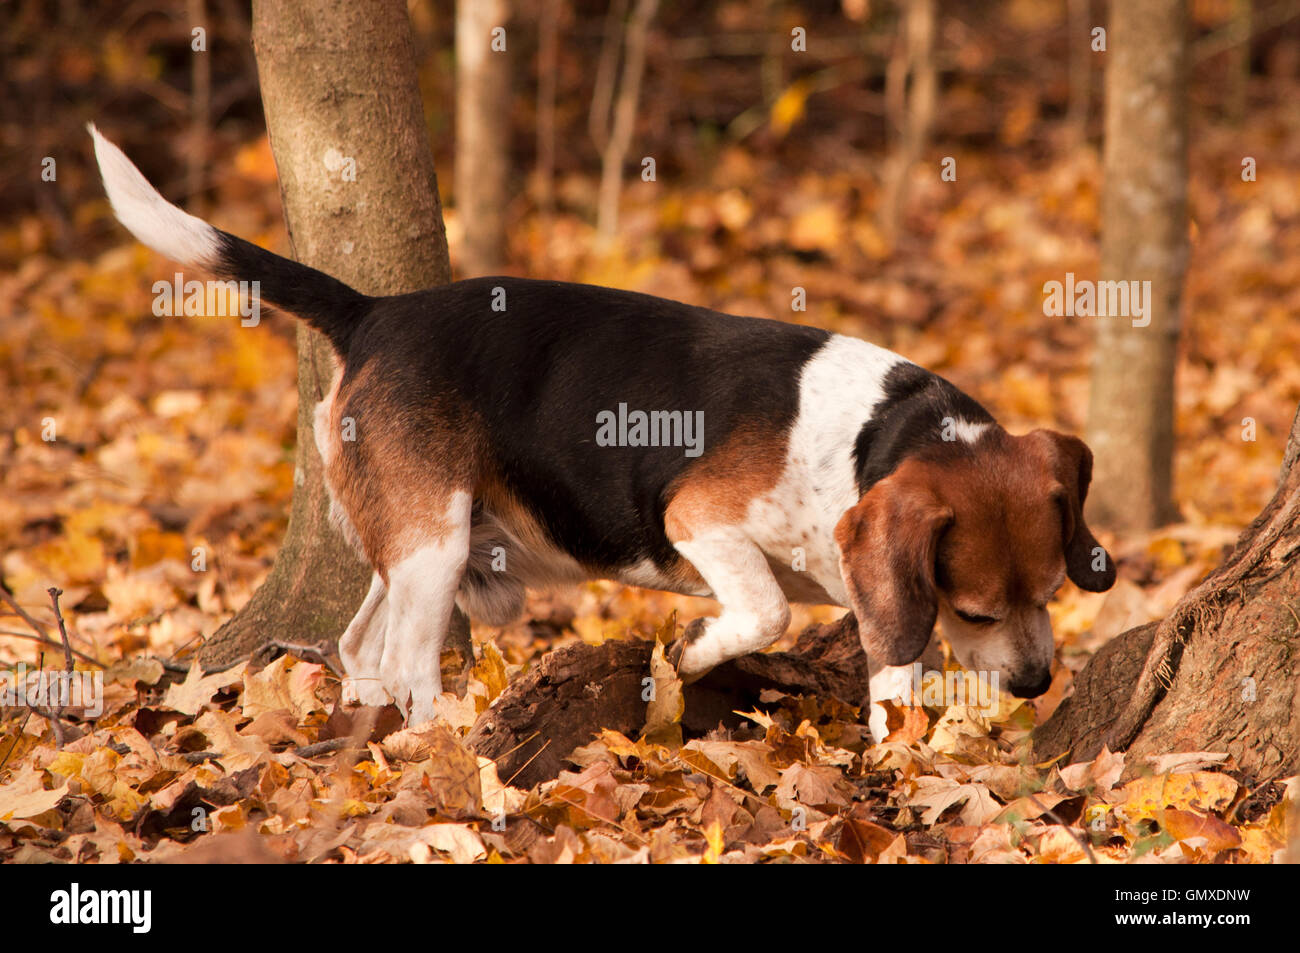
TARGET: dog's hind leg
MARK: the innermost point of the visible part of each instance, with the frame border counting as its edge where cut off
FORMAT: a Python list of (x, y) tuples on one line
[(362, 647), (421, 593)]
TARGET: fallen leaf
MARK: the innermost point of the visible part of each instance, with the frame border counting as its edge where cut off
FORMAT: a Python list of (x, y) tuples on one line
[(189, 696)]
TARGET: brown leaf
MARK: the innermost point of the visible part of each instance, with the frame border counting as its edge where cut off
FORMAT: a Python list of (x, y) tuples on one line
[(862, 841), (1217, 835), (817, 787), (197, 690), (449, 772)]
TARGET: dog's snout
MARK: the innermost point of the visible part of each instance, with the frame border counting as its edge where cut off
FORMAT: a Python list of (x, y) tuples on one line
[(1031, 686)]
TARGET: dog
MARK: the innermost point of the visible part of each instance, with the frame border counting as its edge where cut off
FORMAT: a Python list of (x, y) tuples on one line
[(497, 434)]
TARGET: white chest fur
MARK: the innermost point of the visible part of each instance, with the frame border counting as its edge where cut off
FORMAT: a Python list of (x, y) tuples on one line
[(794, 523)]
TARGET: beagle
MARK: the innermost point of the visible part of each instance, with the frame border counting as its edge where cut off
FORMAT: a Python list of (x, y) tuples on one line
[(497, 434)]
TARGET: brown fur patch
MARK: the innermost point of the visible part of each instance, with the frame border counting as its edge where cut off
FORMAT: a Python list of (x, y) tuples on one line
[(717, 489), (396, 478)]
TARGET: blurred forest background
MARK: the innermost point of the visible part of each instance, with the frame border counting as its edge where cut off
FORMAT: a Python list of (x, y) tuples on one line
[(774, 169)]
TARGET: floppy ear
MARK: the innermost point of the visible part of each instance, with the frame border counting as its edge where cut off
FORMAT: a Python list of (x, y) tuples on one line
[(1086, 562), (888, 543)]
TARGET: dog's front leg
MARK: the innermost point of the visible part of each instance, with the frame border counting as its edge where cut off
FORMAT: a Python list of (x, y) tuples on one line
[(421, 594), (897, 684), (754, 609)]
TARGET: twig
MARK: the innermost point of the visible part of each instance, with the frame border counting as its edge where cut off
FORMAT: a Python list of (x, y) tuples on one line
[(25, 616), (514, 749), (26, 719), (55, 592), (323, 747), (301, 649), (1087, 848), (44, 641), (196, 757), (57, 722), (529, 761)]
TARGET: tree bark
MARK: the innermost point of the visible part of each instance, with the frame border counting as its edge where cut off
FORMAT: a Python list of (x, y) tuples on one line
[(360, 197), (575, 692), (1144, 238), (1220, 673), (482, 135)]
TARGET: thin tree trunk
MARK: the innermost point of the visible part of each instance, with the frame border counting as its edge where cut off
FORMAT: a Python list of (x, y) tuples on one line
[(200, 109), (1239, 61), (911, 86), (1078, 30), (614, 153), (548, 66), (482, 134), (360, 197), (1144, 238)]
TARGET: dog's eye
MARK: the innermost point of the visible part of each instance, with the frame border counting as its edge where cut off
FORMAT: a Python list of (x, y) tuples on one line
[(975, 619)]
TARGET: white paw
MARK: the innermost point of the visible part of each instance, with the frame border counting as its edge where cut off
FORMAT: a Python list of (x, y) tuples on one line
[(877, 723), (364, 691), (892, 683), (699, 654), (422, 708)]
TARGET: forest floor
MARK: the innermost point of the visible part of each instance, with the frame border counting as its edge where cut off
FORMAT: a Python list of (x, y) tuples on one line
[(134, 445)]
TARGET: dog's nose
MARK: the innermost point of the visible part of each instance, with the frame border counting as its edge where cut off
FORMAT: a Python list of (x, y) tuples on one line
[(1031, 689)]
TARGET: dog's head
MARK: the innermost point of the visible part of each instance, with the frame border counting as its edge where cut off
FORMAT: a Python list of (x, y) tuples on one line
[(980, 534)]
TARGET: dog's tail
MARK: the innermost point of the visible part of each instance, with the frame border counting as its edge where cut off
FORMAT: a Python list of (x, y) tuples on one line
[(325, 303)]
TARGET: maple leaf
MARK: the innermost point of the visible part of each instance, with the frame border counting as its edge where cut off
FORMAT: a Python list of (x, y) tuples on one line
[(189, 696), (936, 795), (287, 684)]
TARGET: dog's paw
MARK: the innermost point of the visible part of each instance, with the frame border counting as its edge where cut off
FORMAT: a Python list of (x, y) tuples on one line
[(877, 722), (685, 653), (364, 691)]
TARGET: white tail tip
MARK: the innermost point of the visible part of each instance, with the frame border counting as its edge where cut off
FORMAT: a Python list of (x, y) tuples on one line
[(157, 223)]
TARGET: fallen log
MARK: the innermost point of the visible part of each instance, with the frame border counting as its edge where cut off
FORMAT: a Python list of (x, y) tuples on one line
[(574, 692)]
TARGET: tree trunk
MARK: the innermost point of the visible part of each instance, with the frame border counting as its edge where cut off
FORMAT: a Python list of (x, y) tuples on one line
[(911, 86), (1144, 238), (346, 124), (623, 119), (1221, 673), (482, 135)]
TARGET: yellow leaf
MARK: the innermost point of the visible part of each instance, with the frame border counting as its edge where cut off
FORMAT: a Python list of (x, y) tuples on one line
[(716, 843), (789, 107), (491, 670), (1146, 798), (1167, 552)]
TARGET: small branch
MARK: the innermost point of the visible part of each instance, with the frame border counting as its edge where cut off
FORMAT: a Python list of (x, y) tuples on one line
[(1087, 848), (323, 747), (42, 640), (55, 592), (300, 649), (25, 616)]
